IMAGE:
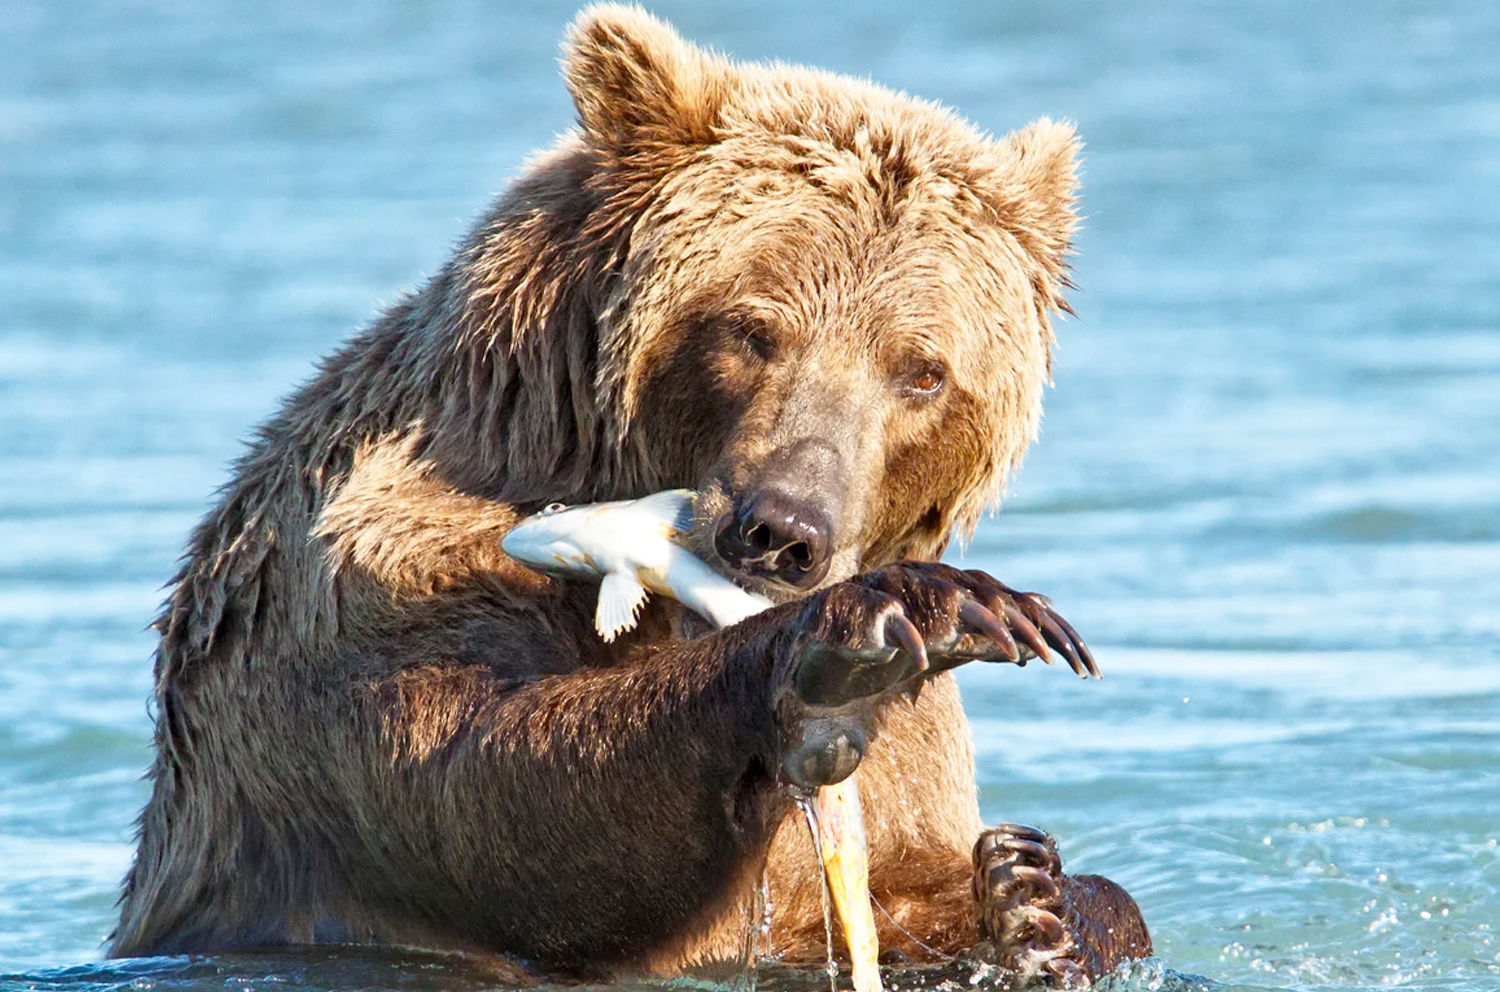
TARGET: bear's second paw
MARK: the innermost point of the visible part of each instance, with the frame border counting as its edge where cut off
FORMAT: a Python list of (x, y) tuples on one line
[(1018, 885)]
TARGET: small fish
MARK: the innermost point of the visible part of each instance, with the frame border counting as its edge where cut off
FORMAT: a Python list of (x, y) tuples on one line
[(638, 547)]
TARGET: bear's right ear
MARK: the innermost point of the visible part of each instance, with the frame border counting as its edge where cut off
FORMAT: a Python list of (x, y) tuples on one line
[(1032, 188), (637, 85)]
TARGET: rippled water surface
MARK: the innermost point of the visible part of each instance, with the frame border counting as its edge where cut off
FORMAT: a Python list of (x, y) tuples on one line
[(1268, 489)]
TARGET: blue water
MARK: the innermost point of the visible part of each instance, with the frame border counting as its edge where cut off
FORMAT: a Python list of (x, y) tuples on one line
[(1267, 490)]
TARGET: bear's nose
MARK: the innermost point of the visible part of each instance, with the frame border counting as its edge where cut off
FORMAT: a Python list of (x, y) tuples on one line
[(774, 534)]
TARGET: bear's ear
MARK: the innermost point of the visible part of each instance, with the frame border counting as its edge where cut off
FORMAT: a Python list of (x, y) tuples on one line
[(1032, 188), (637, 85)]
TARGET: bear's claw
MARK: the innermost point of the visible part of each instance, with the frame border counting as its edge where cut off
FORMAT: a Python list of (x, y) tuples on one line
[(885, 625), (1017, 881), (905, 633)]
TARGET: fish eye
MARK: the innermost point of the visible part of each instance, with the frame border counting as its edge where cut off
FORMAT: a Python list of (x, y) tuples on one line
[(552, 508)]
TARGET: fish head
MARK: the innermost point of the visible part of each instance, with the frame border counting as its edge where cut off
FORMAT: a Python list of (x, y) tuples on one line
[(557, 539), (596, 538)]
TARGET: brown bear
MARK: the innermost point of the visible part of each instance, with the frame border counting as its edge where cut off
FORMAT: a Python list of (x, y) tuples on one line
[(822, 305)]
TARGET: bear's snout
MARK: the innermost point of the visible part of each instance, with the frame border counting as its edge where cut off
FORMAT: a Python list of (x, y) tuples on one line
[(783, 525), (776, 535)]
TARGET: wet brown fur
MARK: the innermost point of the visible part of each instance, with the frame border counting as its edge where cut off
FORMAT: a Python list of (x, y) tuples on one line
[(372, 726)]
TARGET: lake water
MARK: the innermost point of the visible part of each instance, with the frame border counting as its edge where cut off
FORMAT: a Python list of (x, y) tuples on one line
[(1268, 488)]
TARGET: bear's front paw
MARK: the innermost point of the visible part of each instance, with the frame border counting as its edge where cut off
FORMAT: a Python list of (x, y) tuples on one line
[(1018, 881), (860, 638), (880, 628)]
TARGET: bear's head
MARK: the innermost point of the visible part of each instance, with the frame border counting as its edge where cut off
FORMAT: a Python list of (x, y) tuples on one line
[(824, 305)]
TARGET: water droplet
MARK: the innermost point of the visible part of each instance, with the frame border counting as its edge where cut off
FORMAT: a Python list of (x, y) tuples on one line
[(810, 812)]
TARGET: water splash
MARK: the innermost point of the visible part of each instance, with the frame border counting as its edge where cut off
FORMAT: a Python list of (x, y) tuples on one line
[(757, 934), (810, 813)]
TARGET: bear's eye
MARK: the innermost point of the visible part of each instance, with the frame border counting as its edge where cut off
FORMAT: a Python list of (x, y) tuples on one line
[(923, 379), (755, 336)]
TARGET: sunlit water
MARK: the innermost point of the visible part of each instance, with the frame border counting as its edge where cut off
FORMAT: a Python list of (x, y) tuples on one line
[(1268, 489)]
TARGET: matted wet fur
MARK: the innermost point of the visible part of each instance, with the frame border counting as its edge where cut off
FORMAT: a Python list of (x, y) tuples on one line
[(373, 727)]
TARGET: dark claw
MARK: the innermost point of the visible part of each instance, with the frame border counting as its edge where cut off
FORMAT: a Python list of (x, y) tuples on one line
[(982, 620), (1026, 631), (1061, 643), (1056, 637), (1047, 924), (905, 633), (1067, 972), (1083, 649), (1037, 879), (1029, 833), (1027, 847)]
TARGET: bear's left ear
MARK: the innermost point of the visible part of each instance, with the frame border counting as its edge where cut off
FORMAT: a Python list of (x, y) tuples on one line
[(637, 85), (1032, 189)]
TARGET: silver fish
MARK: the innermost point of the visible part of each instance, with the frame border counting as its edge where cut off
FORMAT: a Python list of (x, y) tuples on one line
[(637, 548)]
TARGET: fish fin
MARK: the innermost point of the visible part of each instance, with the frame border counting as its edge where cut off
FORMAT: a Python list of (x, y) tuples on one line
[(620, 599), (671, 508)]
